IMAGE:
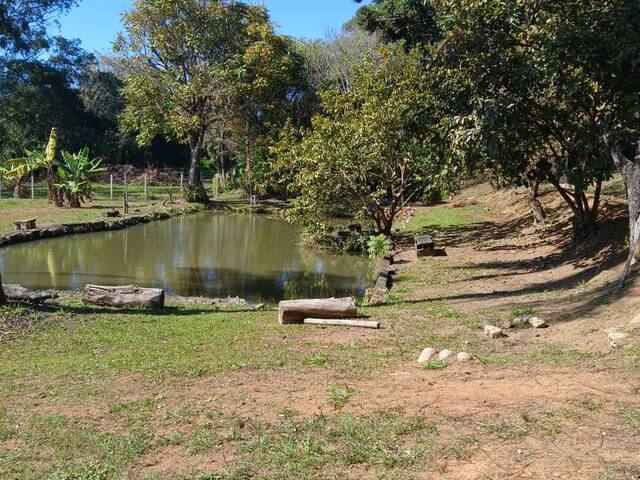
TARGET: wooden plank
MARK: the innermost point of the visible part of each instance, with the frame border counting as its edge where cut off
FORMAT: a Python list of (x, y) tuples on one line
[(342, 322)]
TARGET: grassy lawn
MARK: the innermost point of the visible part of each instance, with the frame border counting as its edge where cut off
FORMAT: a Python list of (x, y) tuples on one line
[(444, 217)]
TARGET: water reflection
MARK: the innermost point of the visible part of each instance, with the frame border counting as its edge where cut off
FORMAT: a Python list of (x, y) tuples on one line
[(215, 255)]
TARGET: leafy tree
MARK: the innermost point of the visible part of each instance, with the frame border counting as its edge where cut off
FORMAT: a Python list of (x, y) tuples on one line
[(528, 116), (410, 21), (372, 150), (186, 68), (23, 26)]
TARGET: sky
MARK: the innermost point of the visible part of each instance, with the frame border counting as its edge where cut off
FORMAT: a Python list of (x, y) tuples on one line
[(97, 22)]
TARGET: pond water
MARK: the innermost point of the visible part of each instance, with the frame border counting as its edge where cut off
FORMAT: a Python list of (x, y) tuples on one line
[(215, 255)]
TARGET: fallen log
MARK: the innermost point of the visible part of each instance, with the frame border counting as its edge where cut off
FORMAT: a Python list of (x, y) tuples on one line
[(342, 323), (130, 296), (295, 311), (3, 299), (18, 293)]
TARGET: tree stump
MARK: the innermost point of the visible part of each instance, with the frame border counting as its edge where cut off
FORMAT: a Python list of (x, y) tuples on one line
[(130, 296), (296, 311)]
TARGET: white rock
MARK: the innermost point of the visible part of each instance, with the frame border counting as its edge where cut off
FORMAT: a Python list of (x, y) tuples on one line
[(464, 357), (445, 355), (537, 322), (635, 323), (493, 332), (426, 355), (615, 335)]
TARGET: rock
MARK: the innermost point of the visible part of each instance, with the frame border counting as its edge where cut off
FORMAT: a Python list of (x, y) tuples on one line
[(537, 322), (614, 334), (635, 323), (464, 357), (493, 332), (520, 322), (426, 355), (445, 355)]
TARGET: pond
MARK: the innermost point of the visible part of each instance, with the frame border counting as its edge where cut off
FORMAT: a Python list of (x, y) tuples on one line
[(209, 254)]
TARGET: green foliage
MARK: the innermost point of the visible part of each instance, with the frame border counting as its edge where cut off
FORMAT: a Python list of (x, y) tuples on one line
[(372, 149), (379, 246), (75, 171)]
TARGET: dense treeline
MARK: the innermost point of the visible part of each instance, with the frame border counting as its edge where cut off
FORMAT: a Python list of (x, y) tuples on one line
[(410, 97)]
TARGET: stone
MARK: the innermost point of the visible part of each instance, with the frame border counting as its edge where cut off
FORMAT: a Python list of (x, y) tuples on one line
[(445, 355), (635, 323), (614, 334), (493, 332), (537, 322), (520, 322), (464, 357), (426, 355)]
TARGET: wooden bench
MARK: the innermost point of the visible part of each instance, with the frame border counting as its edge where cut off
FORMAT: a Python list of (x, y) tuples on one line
[(425, 246), (26, 224)]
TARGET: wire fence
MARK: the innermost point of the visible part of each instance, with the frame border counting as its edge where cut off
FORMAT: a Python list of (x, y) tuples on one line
[(143, 187)]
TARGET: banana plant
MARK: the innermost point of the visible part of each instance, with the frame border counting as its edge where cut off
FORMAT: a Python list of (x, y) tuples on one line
[(18, 168), (75, 171)]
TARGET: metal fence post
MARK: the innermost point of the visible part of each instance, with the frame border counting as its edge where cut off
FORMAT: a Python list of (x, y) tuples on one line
[(181, 180), (0, 185), (145, 187), (33, 195), (111, 187)]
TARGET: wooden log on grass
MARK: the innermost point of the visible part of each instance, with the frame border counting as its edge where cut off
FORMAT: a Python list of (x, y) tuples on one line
[(3, 300), (295, 311), (342, 323), (130, 296), (18, 293)]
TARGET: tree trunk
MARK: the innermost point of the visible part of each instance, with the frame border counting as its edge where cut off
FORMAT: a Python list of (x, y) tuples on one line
[(3, 299), (539, 216), (18, 190), (630, 170), (585, 215), (195, 191), (132, 296), (296, 311), (248, 161)]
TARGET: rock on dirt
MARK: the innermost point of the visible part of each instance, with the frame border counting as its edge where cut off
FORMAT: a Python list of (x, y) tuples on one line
[(537, 322), (426, 355), (615, 334), (445, 355), (635, 323), (464, 357), (493, 332)]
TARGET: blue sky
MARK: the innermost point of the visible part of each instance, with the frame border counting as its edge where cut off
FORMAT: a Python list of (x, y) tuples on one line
[(97, 22)]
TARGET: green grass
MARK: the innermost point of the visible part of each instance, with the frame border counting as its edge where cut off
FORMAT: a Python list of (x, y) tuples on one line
[(441, 218)]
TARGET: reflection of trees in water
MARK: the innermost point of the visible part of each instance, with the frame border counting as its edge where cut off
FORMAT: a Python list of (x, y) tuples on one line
[(216, 255)]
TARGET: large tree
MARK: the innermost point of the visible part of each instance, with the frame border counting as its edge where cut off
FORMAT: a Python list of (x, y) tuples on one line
[(373, 149)]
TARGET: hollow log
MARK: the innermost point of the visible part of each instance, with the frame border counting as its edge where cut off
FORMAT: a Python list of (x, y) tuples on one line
[(18, 293), (342, 323), (129, 296), (295, 311), (3, 300)]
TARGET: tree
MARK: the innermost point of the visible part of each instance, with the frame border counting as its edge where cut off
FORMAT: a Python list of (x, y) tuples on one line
[(23, 26), (410, 21), (183, 59), (528, 115), (372, 150)]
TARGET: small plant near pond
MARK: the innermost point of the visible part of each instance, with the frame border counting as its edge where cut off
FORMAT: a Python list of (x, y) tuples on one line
[(379, 246)]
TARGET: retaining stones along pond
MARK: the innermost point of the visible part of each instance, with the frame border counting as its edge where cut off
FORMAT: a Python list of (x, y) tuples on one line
[(83, 227)]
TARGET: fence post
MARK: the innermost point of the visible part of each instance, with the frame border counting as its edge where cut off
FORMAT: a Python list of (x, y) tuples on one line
[(0, 185), (145, 187), (111, 187), (126, 195), (181, 181), (32, 188)]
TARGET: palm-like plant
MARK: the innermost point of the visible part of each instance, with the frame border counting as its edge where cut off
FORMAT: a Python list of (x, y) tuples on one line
[(75, 172)]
